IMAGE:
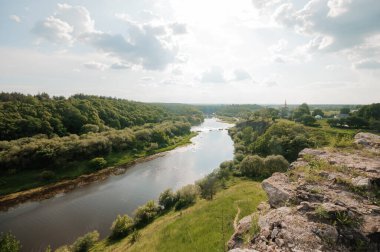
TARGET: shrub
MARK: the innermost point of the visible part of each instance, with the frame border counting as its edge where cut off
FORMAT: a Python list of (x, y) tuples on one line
[(9, 243), (308, 120), (98, 163), (121, 227), (238, 157), (146, 213), (135, 236), (187, 196), (227, 165), (84, 243), (167, 199), (253, 166), (276, 163), (47, 175), (207, 186)]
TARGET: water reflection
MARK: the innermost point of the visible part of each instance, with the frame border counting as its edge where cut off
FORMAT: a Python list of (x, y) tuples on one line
[(61, 219)]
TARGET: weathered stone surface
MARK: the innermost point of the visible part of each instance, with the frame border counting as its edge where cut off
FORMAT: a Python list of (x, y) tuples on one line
[(334, 211), (279, 189)]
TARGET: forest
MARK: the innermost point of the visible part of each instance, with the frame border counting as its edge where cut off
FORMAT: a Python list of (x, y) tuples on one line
[(28, 115)]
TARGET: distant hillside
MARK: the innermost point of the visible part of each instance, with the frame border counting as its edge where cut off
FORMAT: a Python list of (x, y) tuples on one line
[(26, 115)]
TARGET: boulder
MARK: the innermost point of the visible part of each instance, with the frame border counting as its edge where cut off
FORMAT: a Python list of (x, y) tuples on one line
[(279, 189)]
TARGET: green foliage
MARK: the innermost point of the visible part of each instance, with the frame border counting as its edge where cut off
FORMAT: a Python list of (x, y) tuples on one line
[(345, 110), (253, 166), (321, 212), (135, 236), (187, 196), (308, 120), (40, 151), (276, 163), (146, 213), (208, 186), (9, 243), (302, 110), (97, 163), (121, 227), (257, 167), (167, 199), (318, 112), (286, 139), (47, 175), (84, 243)]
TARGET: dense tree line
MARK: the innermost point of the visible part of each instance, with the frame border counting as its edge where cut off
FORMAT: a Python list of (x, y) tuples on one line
[(282, 138), (26, 115), (42, 151), (367, 116)]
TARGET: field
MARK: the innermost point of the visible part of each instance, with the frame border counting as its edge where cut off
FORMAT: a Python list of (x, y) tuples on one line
[(205, 226)]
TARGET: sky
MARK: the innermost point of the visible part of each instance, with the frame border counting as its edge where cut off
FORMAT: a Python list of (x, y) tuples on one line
[(194, 51)]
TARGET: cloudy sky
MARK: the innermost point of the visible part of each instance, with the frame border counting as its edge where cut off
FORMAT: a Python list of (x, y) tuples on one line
[(194, 51)]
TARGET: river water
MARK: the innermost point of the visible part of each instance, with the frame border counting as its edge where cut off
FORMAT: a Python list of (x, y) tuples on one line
[(60, 220)]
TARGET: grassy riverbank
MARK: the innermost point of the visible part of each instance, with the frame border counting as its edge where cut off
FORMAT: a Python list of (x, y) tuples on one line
[(28, 179), (205, 226)]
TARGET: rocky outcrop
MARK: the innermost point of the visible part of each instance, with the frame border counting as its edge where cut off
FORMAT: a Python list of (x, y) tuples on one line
[(329, 200)]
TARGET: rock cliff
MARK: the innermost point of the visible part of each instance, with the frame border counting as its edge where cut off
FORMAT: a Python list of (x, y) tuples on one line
[(327, 201)]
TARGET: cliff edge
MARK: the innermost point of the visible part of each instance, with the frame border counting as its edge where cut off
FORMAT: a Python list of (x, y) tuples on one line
[(328, 200)]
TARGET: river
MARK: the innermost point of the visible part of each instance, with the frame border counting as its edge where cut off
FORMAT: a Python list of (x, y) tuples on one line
[(60, 220)]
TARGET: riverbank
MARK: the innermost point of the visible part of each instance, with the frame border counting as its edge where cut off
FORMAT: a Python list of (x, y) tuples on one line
[(185, 230), (120, 161)]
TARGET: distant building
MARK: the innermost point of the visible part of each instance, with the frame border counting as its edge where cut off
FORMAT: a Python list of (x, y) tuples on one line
[(284, 111), (318, 117)]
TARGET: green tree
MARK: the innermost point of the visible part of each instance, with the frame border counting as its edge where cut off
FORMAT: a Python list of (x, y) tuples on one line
[(9, 243), (345, 110), (146, 213), (84, 243), (302, 110), (208, 186), (98, 163), (276, 163), (187, 196), (318, 112), (167, 199), (253, 166), (121, 227), (308, 120)]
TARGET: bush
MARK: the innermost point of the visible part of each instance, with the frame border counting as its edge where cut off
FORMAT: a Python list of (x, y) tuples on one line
[(84, 243), (253, 166), (121, 227), (227, 165), (308, 120), (238, 157), (167, 199), (9, 243), (276, 164), (146, 213), (47, 175), (98, 163), (207, 186), (187, 196)]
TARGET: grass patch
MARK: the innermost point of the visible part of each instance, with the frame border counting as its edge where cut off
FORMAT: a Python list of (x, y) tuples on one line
[(205, 226), (28, 179)]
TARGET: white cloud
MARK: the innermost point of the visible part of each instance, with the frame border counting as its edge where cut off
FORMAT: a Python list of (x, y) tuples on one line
[(241, 74), (150, 45), (93, 65), (214, 75), (54, 30), (120, 66), (367, 64), (15, 18), (178, 28)]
